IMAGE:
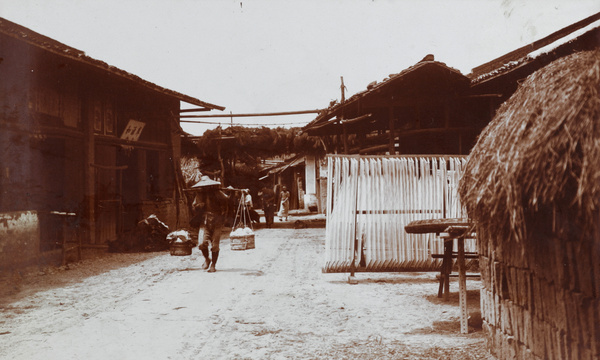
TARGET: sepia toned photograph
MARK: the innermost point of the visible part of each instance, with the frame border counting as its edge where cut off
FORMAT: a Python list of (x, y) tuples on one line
[(257, 179)]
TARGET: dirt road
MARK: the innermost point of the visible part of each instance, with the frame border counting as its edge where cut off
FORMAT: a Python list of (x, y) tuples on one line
[(272, 302)]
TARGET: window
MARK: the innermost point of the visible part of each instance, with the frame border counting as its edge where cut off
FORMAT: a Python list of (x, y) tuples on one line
[(103, 116)]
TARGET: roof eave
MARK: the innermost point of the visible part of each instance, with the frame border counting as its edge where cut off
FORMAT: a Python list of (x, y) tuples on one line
[(21, 33), (519, 53), (336, 109)]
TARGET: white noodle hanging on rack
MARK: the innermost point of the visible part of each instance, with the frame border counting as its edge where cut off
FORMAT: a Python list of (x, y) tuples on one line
[(372, 198)]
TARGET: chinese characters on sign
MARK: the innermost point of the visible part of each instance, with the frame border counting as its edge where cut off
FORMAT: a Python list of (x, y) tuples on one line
[(133, 130)]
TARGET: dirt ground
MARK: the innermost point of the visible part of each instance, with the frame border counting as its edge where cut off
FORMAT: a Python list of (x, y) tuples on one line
[(272, 302)]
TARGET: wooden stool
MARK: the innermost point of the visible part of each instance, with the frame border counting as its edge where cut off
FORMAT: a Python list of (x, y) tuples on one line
[(453, 229), (446, 270)]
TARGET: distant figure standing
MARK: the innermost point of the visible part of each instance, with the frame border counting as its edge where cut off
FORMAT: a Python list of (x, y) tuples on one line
[(284, 206), (247, 198), (213, 204), (268, 205), (254, 217)]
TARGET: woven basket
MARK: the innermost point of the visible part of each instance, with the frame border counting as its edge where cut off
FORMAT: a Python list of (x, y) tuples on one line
[(250, 242), (242, 242), (181, 248)]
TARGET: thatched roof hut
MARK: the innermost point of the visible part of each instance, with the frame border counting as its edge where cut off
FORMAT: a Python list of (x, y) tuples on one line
[(541, 150), (532, 184)]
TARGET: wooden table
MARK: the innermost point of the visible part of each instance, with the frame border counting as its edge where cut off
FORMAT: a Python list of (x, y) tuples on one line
[(450, 230)]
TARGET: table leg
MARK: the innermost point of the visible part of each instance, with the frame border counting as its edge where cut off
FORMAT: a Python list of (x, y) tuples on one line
[(462, 285), (446, 270)]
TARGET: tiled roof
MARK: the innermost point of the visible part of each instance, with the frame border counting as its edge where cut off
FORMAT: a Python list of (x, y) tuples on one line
[(530, 52), (374, 87), (491, 69), (43, 42)]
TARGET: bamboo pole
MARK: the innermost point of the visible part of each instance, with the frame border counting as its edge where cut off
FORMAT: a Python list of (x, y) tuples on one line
[(281, 113), (462, 284), (355, 177)]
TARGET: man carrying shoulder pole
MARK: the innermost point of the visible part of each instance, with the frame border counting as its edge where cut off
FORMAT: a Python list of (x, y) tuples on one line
[(213, 203)]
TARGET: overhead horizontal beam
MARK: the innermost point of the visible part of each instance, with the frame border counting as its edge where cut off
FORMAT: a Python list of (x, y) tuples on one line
[(474, 96), (194, 110), (254, 115), (356, 120), (429, 131), (375, 148)]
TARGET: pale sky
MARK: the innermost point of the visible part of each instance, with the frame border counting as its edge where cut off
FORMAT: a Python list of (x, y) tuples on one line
[(256, 56)]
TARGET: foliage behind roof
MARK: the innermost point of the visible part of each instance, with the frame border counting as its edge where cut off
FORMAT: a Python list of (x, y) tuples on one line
[(33, 38)]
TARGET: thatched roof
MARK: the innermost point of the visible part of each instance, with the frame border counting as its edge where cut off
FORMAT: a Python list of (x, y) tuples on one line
[(541, 151)]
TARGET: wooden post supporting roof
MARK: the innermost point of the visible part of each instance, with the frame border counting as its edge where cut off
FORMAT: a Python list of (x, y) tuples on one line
[(344, 129), (89, 177), (391, 131), (345, 132)]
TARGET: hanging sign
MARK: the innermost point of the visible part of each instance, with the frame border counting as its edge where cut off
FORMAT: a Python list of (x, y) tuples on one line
[(133, 130)]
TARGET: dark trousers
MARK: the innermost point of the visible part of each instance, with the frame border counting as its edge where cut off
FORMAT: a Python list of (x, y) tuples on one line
[(212, 233), (269, 214)]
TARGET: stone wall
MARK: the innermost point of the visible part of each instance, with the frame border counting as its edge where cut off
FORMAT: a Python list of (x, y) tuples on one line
[(540, 298), (19, 239)]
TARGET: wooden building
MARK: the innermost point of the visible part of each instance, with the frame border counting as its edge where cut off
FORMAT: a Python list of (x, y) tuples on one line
[(504, 74), (430, 108), (426, 109), (291, 174), (86, 149)]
